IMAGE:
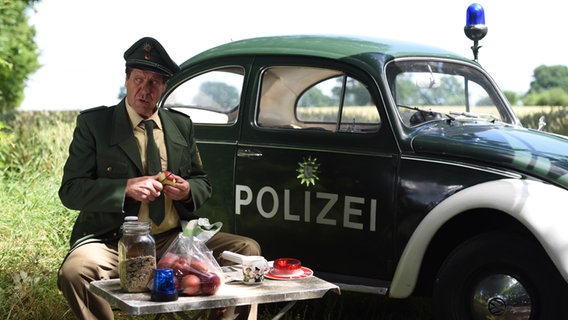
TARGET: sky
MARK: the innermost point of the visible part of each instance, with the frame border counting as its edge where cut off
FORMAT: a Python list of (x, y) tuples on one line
[(82, 42)]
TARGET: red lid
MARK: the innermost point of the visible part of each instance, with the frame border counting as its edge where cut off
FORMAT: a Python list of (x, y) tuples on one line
[(284, 265)]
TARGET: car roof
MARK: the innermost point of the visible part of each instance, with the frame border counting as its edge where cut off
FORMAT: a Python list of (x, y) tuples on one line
[(324, 46)]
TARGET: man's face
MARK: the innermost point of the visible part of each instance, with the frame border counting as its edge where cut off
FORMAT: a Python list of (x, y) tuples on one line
[(143, 89)]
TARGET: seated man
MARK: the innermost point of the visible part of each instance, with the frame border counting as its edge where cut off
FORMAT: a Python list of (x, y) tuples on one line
[(110, 174)]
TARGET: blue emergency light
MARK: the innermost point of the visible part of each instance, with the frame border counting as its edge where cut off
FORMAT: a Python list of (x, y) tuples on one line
[(475, 28)]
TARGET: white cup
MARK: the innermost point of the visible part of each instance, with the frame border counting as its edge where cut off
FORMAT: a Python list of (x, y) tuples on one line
[(254, 268)]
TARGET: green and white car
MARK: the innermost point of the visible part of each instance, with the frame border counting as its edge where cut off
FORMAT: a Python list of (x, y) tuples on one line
[(386, 167)]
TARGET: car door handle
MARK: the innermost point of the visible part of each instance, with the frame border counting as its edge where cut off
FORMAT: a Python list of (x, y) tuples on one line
[(248, 153)]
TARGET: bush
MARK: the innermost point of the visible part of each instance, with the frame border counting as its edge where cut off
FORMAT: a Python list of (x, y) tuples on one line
[(556, 119), (551, 97), (34, 226)]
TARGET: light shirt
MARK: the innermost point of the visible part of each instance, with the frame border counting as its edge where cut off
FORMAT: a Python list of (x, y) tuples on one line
[(171, 217)]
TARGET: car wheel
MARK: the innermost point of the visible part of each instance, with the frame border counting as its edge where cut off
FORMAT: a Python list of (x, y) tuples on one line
[(499, 276)]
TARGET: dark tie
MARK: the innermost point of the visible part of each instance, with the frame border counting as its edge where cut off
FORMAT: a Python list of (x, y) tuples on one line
[(153, 166)]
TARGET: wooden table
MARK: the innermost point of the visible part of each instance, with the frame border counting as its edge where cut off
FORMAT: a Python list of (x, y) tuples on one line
[(230, 294)]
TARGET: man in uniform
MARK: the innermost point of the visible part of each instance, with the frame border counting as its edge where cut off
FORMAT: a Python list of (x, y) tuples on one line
[(108, 176)]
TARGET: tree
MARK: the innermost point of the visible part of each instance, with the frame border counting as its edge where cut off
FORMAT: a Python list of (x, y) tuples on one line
[(549, 87), (512, 97), (548, 77), (220, 95), (18, 51), (314, 97)]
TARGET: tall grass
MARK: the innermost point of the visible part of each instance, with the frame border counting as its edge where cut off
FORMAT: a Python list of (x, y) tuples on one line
[(35, 227)]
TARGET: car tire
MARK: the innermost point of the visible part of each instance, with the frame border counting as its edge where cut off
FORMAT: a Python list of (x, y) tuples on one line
[(499, 276)]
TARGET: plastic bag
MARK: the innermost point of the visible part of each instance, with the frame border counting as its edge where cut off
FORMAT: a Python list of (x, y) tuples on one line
[(196, 272)]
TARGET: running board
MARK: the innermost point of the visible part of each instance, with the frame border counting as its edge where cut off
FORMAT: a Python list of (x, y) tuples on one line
[(356, 284)]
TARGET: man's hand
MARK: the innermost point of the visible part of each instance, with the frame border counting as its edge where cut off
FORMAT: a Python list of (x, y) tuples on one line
[(178, 191), (144, 189)]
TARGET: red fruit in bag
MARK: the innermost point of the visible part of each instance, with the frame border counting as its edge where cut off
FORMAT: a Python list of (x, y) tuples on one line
[(183, 266), (190, 285), (199, 265), (168, 260), (210, 283)]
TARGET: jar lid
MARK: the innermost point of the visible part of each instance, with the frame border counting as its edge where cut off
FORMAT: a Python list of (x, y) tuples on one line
[(130, 218)]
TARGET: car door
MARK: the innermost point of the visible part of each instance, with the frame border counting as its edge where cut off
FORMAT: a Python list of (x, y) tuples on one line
[(212, 96), (315, 172)]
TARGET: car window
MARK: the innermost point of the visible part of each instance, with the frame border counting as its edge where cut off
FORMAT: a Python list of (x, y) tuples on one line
[(212, 97), (430, 90), (307, 98)]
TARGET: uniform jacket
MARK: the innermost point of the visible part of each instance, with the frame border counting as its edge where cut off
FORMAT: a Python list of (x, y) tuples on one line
[(104, 154)]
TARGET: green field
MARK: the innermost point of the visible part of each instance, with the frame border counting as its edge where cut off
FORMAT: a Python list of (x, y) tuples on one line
[(34, 226)]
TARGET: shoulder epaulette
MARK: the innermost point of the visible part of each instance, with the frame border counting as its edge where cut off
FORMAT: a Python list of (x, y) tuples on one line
[(94, 109)]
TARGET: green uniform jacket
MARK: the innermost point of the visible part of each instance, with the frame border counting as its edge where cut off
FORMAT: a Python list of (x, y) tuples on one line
[(104, 154)]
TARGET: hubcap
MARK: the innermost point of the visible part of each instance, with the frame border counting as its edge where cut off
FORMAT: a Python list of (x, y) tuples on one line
[(501, 296)]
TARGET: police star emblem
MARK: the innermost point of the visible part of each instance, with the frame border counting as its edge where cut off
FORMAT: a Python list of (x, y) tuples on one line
[(147, 47), (308, 171)]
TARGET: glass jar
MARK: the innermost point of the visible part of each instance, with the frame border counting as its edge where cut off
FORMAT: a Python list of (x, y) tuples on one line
[(136, 255)]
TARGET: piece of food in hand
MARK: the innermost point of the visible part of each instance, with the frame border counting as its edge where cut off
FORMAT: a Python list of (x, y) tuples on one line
[(167, 178)]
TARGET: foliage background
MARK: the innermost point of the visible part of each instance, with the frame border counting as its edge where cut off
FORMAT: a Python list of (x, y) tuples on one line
[(18, 51)]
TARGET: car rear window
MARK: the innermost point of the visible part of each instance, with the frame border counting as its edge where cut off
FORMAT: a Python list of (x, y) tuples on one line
[(308, 98)]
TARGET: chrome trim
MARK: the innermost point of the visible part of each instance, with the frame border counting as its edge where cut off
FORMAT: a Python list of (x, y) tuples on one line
[(231, 143), (288, 147), (506, 174)]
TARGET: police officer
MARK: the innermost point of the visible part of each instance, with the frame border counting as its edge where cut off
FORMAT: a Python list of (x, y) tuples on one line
[(107, 177)]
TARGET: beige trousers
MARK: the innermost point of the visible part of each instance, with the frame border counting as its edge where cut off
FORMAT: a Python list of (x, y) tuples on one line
[(99, 261)]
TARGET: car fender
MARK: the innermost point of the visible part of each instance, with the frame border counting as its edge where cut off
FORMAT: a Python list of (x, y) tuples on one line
[(540, 207)]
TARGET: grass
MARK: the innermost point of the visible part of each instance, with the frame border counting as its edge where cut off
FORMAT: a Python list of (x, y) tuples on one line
[(35, 227)]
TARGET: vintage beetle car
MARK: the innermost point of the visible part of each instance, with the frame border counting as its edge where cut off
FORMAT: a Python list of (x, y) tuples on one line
[(386, 167)]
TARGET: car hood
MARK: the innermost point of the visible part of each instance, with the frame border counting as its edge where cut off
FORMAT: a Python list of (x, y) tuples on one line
[(535, 153)]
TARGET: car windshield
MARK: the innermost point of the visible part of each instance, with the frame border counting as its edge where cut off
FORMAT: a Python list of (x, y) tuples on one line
[(426, 90)]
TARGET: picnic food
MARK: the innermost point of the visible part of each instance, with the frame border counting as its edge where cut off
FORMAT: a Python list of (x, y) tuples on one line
[(167, 178), (210, 283), (136, 255), (190, 284), (135, 273), (191, 278)]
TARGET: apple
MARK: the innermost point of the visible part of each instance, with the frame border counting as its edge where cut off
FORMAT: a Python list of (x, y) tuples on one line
[(199, 265), (183, 266), (210, 283), (167, 261), (190, 285), (167, 178)]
